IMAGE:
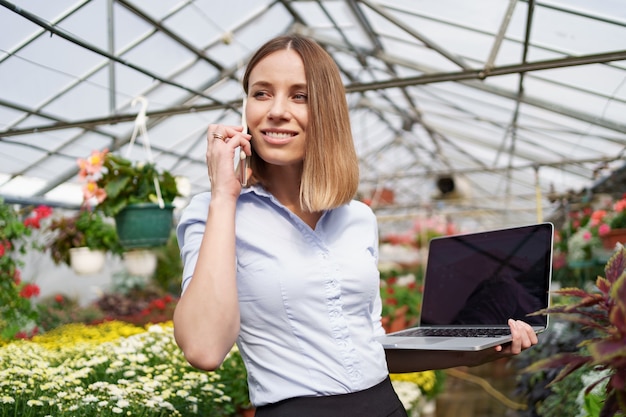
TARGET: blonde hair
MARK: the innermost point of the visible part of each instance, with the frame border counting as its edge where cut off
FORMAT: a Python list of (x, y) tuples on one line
[(330, 176)]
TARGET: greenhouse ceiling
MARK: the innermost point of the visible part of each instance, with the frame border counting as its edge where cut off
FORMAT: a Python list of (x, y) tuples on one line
[(515, 104)]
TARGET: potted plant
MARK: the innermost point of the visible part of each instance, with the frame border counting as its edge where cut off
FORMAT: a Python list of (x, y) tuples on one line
[(82, 240), (137, 195), (603, 354), (616, 220)]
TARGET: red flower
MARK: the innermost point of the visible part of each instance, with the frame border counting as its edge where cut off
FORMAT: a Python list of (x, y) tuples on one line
[(32, 222), (159, 304), (43, 211), (21, 335), (4, 247), (29, 290), (59, 298)]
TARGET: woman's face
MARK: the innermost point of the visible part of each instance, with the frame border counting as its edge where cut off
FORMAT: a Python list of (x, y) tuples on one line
[(277, 111)]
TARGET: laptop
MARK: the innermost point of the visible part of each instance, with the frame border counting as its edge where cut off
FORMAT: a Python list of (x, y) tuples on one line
[(474, 283)]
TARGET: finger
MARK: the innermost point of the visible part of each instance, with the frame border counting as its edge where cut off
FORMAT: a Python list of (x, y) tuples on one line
[(529, 335), (217, 134), (516, 343)]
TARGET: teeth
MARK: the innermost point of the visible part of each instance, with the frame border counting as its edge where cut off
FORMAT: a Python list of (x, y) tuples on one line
[(278, 135)]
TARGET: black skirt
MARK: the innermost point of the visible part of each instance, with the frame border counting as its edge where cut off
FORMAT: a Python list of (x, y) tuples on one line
[(379, 401)]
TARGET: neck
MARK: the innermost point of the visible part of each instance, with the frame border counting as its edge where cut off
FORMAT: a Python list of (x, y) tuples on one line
[(284, 185)]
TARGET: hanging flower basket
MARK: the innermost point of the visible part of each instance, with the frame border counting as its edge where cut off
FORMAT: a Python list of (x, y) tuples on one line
[(144, 225), (140, 262), (85, 261)]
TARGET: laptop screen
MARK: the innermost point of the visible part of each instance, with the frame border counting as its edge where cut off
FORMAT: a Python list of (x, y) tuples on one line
[(488, 277)]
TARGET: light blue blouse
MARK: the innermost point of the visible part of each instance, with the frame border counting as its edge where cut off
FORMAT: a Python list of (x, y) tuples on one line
[(309, 299)]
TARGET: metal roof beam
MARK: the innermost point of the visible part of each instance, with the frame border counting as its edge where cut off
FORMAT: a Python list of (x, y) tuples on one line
[(429, 43)]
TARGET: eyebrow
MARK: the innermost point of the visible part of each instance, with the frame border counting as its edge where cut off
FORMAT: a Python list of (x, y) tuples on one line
[(299, 86)]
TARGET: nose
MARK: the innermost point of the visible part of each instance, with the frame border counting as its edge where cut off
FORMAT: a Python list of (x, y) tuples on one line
[(279, 108)]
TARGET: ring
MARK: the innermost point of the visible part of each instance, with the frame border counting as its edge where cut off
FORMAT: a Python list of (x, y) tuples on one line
[(218, 136)]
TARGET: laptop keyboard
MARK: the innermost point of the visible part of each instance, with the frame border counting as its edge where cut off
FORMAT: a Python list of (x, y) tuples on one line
[(464, 332)]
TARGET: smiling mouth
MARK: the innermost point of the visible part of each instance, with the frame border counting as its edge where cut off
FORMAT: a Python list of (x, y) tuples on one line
[(278, 137)]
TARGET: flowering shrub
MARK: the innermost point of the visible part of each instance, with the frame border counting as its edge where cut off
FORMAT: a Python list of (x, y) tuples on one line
[(60, 309), (401, 294), (139, 306), (422, 231), (416, 389), (108, 370), (581, 234), (16, 310), (617, 220)]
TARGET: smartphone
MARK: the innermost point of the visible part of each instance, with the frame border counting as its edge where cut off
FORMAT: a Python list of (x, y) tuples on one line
[(242, 166)]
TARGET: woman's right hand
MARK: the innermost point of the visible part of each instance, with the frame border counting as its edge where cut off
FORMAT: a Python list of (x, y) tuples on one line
[(222, 142)]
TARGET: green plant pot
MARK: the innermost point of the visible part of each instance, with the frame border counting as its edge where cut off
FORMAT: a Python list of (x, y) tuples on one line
[(144, 225)]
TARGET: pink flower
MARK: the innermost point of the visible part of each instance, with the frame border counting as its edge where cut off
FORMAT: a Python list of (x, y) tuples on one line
[(604, 229), (587, 235)]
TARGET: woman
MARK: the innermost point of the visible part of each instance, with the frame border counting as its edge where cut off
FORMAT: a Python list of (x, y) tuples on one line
[(287, 267)]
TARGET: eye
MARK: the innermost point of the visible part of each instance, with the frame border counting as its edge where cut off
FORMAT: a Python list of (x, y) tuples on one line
[(259, 94), (300, 96)]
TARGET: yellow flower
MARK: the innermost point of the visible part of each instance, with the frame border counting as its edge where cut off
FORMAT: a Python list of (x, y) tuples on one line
[(424, 380)]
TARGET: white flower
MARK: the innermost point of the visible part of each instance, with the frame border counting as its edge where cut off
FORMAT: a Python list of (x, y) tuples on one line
[(182, 393), (408, 393), (123, 403), (90, 398), (156, 329)]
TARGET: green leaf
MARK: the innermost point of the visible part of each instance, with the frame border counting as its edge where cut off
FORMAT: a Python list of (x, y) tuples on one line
[(593, 404)]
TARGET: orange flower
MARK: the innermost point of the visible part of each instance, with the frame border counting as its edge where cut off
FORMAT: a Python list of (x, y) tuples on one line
[(92, 165), (91, 190), (597, 217)]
